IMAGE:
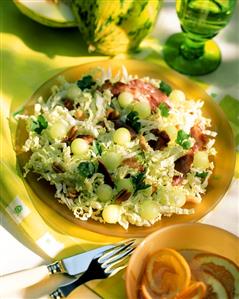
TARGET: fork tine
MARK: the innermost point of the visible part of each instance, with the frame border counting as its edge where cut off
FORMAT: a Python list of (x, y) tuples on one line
[(108, 254), (117, 256), (125, 242), (117, 262), (121, 244), (118, 265), (114, 271)]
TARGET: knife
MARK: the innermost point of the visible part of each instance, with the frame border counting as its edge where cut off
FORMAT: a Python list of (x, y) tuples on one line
[(72, 266), (76, 264)]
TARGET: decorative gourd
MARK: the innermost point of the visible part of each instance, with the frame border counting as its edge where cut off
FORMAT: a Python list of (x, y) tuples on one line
[(116, 26)]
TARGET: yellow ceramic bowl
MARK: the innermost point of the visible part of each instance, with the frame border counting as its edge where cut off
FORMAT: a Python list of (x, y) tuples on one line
[(180, 236), (59, 215)]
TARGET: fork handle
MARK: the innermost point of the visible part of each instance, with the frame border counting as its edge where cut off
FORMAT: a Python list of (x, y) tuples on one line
[(65, 290), (26, 278)]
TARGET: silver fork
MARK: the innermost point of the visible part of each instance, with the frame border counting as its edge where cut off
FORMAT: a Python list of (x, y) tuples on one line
[(105, 265)]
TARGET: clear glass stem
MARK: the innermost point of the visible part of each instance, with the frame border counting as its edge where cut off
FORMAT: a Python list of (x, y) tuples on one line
[(191, 49)]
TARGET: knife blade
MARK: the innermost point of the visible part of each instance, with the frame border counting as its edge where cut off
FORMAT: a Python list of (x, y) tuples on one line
[(73, 265), (78, 263)]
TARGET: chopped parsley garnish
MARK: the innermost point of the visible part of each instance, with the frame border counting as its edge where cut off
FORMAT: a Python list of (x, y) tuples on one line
[(138, 181), (201, 175), (97, 148), (164, 109), (165, 88), (132, 120), (39, 125), (86, 82), (86, 169), (182, 139)]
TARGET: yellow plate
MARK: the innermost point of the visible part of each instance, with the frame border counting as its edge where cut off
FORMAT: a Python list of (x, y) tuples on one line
[(218, 183)]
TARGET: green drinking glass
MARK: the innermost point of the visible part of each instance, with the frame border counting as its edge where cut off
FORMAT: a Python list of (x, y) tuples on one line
[(193, 52)]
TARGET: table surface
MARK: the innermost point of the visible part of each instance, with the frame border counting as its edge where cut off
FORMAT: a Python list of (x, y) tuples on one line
[(16, 256)]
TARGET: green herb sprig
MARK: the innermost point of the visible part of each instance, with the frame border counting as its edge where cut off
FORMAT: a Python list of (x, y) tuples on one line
[(97, 148), (86, 169), (165, 88), (39, 125), (86, 82), (182, 139), (164, 109), (138, 181), (132, 120), (201, 175)]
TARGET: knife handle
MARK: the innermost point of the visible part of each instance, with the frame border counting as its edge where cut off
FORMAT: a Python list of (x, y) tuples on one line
[(56, 267), (26, 278)]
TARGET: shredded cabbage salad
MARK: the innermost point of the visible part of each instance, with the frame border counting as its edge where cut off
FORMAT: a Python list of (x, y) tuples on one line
[(121, 149)]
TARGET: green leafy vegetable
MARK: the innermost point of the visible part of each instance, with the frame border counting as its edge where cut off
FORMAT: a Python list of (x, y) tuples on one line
[(201, 175), (39, 125), (138, 181), (97, 148), (165, 88), (164, 109), (86, 169), (186, 144), (132, 120), (182, 139), (86, 82)]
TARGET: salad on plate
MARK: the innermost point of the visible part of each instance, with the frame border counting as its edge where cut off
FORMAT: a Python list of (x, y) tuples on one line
[(121, 149)]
